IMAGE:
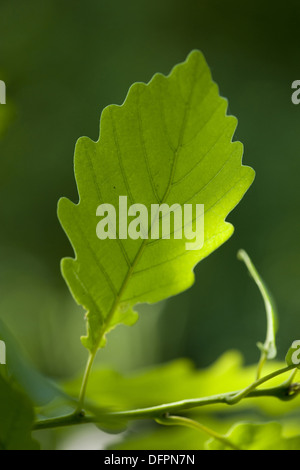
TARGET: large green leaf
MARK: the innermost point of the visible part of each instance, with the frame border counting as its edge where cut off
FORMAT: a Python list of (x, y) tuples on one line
[(170, 142), (38, 388), (267, 436), (16, 419)]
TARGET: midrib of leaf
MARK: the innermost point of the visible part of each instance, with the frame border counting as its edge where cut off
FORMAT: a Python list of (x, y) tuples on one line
[(162, 201)]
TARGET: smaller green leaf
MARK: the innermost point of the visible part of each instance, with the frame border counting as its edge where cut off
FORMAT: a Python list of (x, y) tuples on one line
[(249, 436), (108, 390), (293, 356), (269, 347), (16, 419)]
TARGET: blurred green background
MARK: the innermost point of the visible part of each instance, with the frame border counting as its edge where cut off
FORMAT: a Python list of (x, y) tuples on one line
[(63, 62)]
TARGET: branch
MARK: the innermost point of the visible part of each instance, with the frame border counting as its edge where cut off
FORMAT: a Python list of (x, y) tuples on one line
[(283, 392)]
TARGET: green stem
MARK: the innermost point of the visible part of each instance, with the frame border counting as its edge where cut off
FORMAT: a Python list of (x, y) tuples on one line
[(64, 421), (268, 349), (85, 382), (291, 378), (244, 393), (190, 423), (262, 361)]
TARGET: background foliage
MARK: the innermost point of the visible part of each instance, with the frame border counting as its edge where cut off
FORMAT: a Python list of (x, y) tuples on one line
[(62, 64)]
